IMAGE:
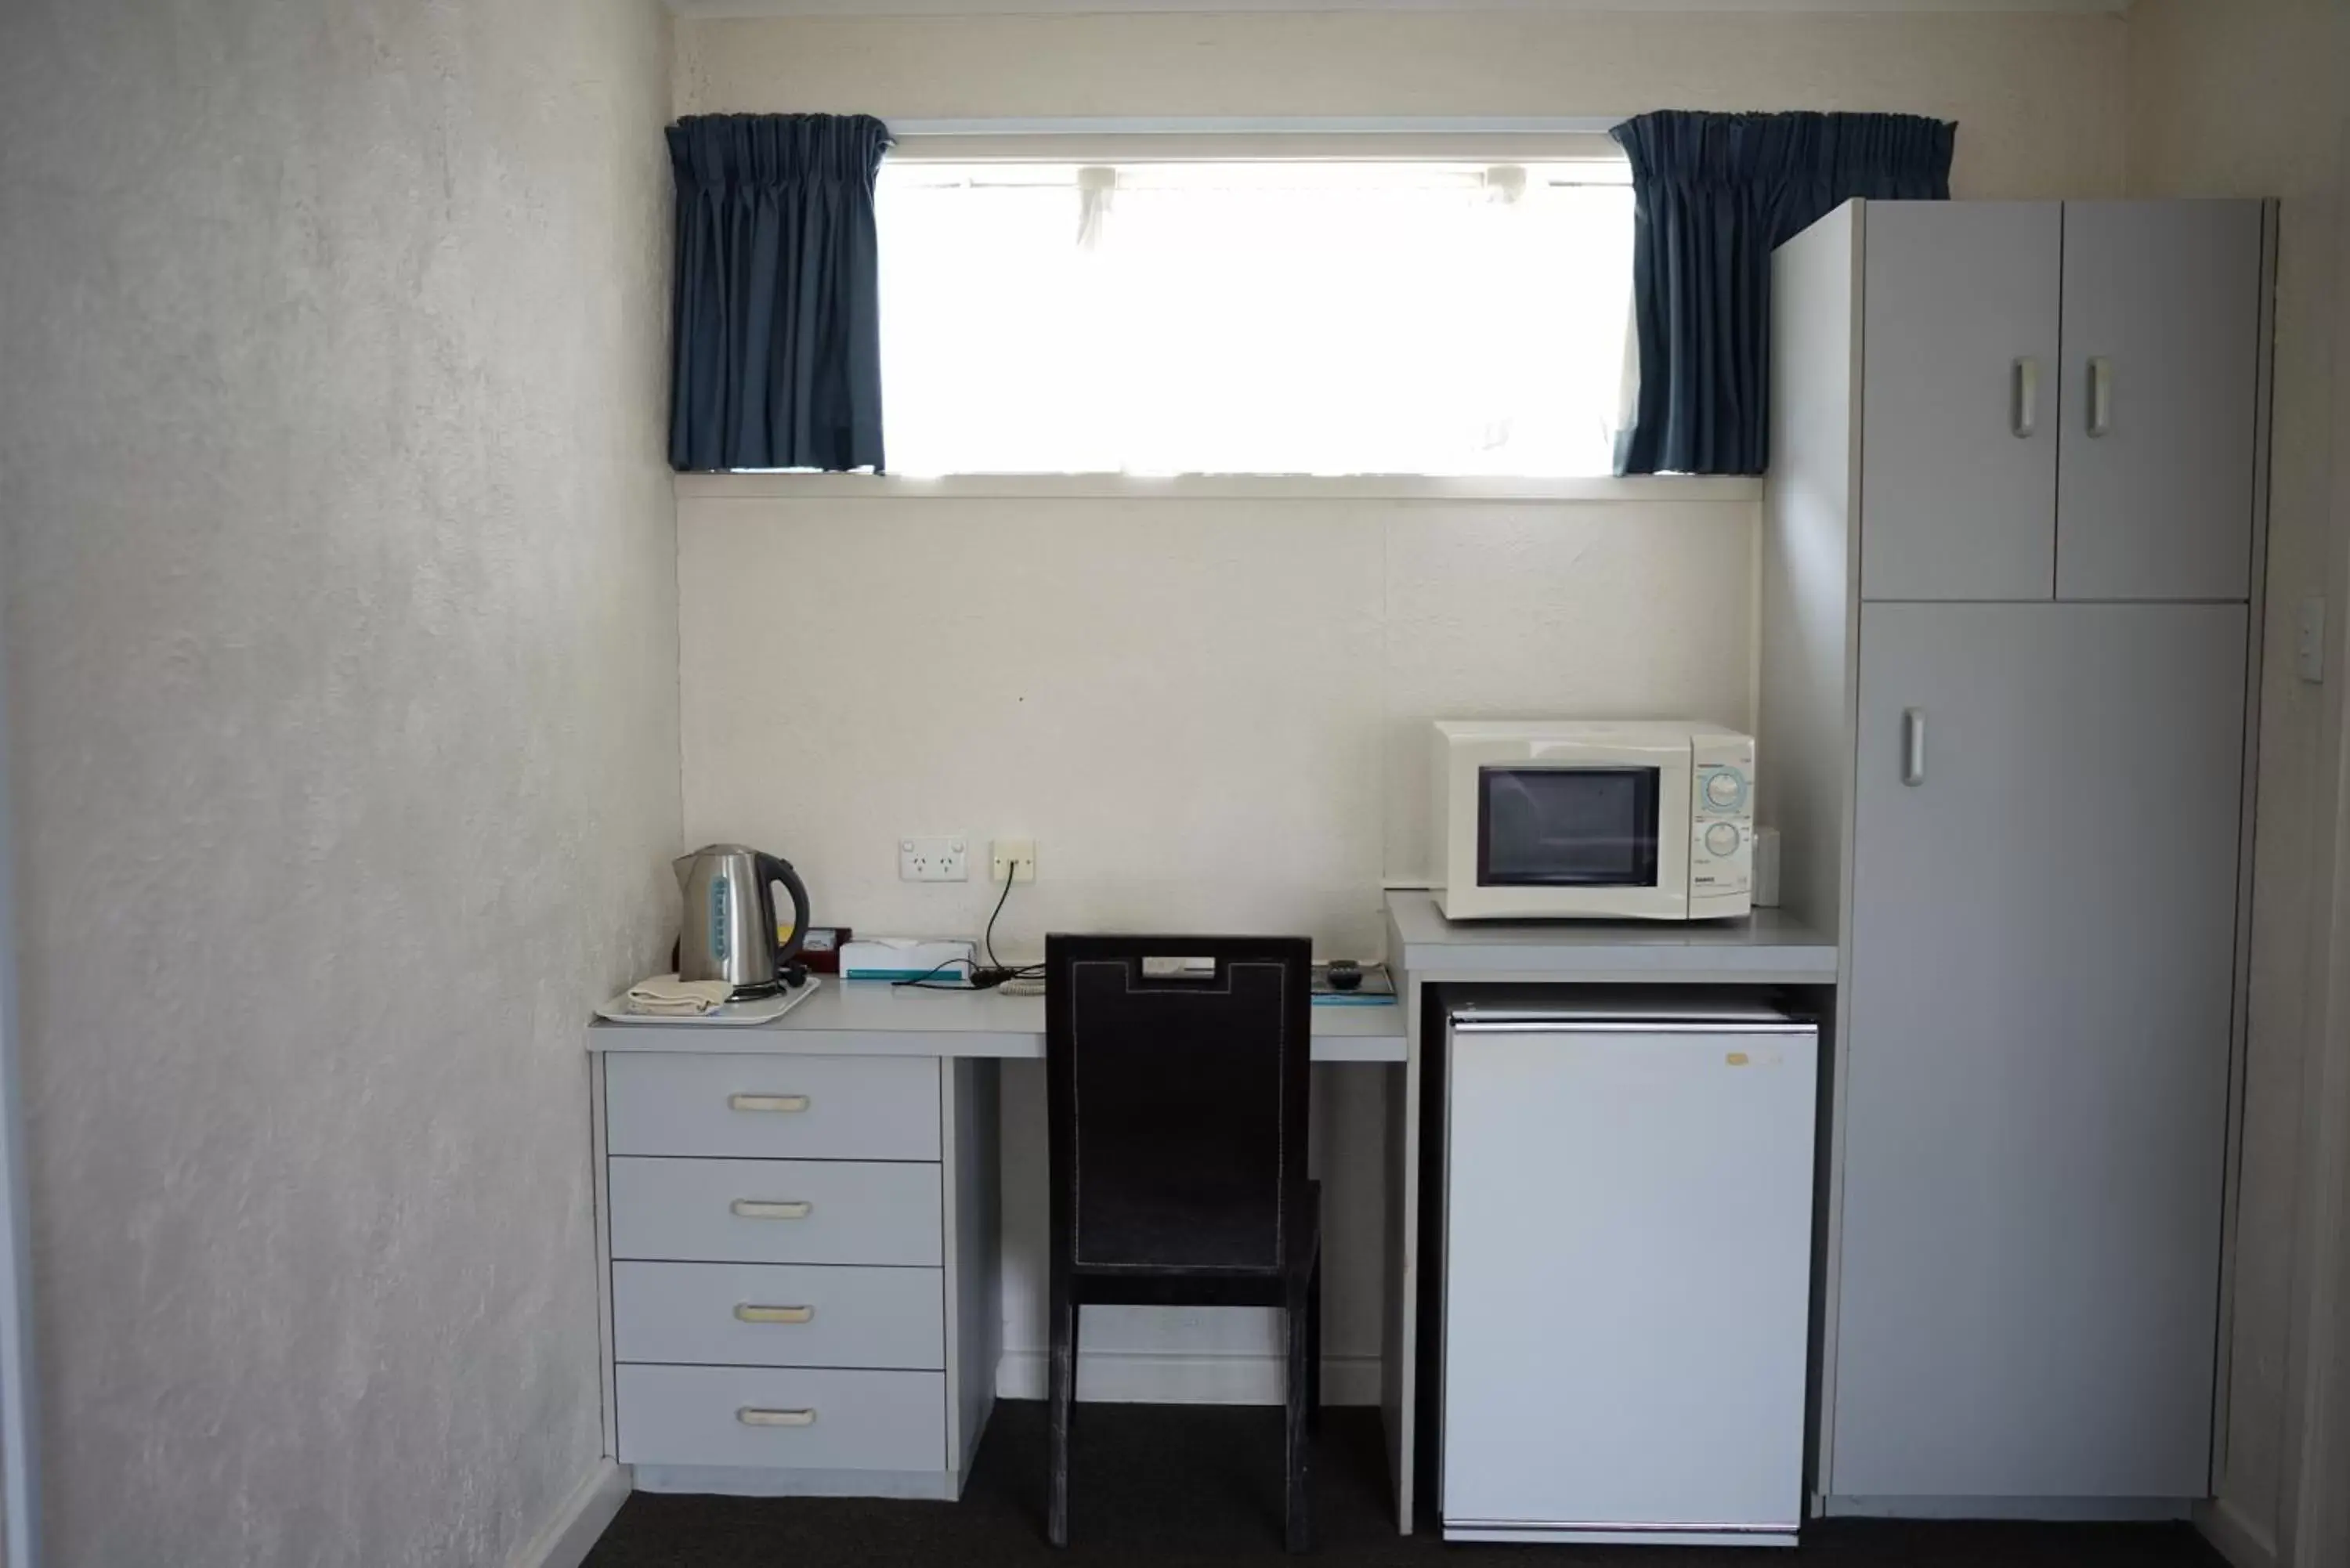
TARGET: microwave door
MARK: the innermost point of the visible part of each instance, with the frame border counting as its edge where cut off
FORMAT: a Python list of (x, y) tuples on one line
[(1568, 826)]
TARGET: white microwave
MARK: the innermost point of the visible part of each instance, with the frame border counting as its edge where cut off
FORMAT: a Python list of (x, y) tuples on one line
[(1552, 819)]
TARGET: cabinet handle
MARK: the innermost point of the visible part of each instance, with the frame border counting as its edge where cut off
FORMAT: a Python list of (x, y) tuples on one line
[(2101, 395), (756, 1209), (752, 1415), (1913, 746), (749, 1313), (767, 1102), (2024, 407)]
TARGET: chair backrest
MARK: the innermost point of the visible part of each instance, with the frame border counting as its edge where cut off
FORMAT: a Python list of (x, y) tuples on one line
[(1179, 1100)]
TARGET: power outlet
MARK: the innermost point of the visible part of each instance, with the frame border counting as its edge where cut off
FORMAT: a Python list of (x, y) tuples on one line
[(1012, 858), (2311, 649), (931, 860)]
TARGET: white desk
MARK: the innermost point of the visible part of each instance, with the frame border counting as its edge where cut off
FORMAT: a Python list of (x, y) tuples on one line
[(873, 1018), (867, 1140), (1769, 948), (833, 1174)]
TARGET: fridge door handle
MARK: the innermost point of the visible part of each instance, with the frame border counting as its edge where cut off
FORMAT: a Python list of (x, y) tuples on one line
[(2101, 395), (1913, 746)]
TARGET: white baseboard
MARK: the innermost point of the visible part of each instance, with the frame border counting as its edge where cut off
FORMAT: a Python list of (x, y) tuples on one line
[(579, 1522), (2243, 1544), (1185, 1377)]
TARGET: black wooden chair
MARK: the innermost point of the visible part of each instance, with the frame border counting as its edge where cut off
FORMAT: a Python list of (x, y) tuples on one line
[(1179, 1100)]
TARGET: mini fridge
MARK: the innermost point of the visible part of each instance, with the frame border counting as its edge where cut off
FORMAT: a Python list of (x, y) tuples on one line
[(1628, 1264)]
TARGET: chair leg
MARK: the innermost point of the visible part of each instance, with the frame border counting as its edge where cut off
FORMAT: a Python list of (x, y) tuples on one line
[(1313, 1349), (1299, 1516), (1064, 1397)]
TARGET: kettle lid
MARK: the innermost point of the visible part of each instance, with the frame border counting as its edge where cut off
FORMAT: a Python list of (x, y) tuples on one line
[(684, 864)]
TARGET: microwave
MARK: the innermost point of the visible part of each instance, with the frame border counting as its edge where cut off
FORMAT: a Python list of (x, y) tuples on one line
[(1555, 819)]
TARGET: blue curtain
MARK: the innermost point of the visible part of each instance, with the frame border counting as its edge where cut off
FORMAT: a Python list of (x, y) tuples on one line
[(775, 344), (1715, 195)]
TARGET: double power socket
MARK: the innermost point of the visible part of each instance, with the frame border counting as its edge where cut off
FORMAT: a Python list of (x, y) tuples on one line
[(943, 859)]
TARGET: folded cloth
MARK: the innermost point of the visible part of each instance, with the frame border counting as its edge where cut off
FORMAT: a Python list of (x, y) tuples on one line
[(666, 996)]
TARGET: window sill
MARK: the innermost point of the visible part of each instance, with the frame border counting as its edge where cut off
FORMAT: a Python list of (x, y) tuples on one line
[(1207, 487)]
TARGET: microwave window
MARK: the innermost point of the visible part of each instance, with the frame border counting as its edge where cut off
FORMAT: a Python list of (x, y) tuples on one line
[(1567, 827)]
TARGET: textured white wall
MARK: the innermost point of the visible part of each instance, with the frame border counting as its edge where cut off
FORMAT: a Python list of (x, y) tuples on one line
[(341, 619), (2039, 100), (2250, 98)]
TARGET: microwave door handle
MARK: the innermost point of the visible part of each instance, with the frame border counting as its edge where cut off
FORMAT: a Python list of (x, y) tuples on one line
[(1913, 746)]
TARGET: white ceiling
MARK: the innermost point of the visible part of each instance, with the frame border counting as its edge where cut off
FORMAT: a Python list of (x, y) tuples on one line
[(1068, 7)]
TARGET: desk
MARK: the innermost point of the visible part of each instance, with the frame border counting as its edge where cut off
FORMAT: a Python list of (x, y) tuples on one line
[(873, 1018), (834, 1175)]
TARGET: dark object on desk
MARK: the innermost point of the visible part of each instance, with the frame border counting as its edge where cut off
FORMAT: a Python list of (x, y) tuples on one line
[(821, 951), (1347, 982), (1178, 1106)]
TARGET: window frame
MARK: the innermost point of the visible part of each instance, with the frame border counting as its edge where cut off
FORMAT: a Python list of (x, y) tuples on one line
[(1494, 142)]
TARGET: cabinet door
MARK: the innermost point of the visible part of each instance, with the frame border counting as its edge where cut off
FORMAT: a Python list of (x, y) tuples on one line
[(1958, 414), (2162, 305), (2036, 1083)]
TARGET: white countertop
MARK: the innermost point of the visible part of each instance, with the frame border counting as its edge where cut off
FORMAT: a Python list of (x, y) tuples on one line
[(875, 1019), (1769, 947), (872, 1018)]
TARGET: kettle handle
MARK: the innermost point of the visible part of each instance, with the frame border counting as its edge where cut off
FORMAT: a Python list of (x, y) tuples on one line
[(775, 868)]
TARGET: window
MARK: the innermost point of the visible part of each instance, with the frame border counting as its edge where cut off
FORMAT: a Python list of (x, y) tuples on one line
[(1255, 318)]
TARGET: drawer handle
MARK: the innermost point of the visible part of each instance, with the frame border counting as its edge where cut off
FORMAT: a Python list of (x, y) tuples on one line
[(767, 1102), (750, 1313), (757, 1209), (751, 1415)]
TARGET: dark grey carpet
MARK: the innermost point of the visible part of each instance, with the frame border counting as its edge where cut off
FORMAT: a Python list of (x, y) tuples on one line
[(1182, 1485)]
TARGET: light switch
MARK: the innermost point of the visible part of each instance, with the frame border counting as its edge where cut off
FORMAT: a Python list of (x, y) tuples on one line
[(2313, 638)]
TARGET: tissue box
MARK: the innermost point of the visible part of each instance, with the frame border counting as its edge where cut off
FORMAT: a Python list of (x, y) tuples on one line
[(906, 958)]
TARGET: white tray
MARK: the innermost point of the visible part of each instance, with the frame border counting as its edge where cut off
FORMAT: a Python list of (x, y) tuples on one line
[(765, 1009)]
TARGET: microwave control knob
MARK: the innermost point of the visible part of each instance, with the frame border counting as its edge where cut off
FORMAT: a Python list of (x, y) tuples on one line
[(1722, 839), (1723, 788)]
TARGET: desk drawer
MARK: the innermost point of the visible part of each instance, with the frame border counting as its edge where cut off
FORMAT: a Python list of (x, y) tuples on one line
[(779, 1419), (772, 1106), (775, 1211), (770, 1315)]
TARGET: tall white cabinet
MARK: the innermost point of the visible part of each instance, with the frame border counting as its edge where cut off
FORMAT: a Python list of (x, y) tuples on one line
[(2009, 558)]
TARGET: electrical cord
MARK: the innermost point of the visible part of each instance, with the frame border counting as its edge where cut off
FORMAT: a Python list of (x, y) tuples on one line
[(923, 981), (995, 974), (1010, 872)]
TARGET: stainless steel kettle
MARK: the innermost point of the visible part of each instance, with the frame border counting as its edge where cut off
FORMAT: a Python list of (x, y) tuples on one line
[(729, 931)]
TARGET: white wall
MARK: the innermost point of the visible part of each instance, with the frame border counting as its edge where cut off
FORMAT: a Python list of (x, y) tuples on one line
[(1211, 712), (341, 620), (2250, 98), (1211, 715), (2039, 100)]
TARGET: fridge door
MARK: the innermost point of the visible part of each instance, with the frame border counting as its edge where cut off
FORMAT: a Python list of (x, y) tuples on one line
[(1625, 1277), (2036, 1075)]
